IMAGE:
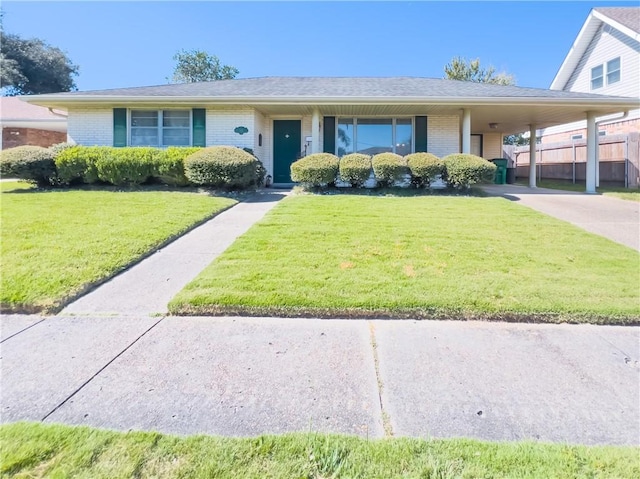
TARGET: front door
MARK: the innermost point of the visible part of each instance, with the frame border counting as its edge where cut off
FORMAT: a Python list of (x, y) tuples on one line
[(286, 148)]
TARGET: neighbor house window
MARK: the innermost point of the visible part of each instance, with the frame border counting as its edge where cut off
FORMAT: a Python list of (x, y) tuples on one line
[(160, 128), (613, 71), (374, 135), (576, 137), (596, 77)]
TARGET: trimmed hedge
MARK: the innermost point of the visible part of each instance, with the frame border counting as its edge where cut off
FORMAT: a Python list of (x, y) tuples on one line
[(78, 164), (169, 165), (222, 166), (127, 166), (425, 167), (32, 163), (317, 169), (355, 169), (389, 168), (463, 170)]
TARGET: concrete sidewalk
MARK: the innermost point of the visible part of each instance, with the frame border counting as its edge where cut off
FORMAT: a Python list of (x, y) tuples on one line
[(249, 376), (147, 287), (613, 218)]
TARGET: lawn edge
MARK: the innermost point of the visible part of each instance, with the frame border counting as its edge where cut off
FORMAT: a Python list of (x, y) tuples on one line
[(58, 306), (181, 309)]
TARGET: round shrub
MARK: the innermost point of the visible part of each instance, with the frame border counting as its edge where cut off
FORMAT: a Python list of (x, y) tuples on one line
[(31, 163), (318, 169), (463, 170), (389, 168), (355, 169), (127, 166), (169, 167), (78, 163), (221, 167), (425, 167)]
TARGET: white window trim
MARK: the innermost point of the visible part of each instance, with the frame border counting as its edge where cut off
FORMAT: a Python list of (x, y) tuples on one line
[(160, 127), (365, 117)]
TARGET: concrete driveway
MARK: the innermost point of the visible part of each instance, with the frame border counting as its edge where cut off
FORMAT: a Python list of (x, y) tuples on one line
[(248, 376), (613, 218)]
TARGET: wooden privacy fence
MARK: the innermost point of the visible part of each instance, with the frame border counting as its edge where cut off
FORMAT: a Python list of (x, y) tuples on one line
[(619, 160)]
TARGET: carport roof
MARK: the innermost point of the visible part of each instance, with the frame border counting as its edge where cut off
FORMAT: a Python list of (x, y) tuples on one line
[(519, 106)]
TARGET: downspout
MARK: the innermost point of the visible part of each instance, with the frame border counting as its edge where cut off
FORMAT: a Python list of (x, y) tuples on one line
[(598, 123)]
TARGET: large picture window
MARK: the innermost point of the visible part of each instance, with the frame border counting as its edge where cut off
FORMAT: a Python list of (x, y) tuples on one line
[(374, 135), (160, 128)]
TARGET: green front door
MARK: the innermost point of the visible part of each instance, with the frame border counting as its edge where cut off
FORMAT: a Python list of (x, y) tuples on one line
[(286, 148)]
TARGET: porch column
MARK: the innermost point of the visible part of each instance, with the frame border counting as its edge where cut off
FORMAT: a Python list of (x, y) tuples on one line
[(533, 140), (592, 145), (315, 131), (466, 131)]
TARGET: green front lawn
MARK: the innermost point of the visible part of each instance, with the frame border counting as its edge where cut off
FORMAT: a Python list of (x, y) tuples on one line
[(614, 191), (57, 243), (420, 257), (37, 450)]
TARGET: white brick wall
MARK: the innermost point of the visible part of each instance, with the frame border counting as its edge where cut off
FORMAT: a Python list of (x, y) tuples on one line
[(443, 135), (90, 126), (262, 125), (222, 121)]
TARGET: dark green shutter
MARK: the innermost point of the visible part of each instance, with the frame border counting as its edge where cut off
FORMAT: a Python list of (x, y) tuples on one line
[(199, 127), (421, 133), (119, 127), (329, 133)]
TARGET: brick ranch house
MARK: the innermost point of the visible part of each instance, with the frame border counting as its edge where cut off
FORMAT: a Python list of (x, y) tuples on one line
[(284, 118), (25, 124)]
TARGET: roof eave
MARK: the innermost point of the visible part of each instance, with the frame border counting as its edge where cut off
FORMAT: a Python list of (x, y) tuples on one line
[(48, 100)]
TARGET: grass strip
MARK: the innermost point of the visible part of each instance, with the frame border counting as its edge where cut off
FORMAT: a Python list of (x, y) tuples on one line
[(38, 450)]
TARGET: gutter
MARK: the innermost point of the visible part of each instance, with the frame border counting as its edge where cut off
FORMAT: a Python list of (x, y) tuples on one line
[(46, 100)]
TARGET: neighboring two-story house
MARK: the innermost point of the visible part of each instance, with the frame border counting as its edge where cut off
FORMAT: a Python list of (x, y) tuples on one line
[(604, 59)]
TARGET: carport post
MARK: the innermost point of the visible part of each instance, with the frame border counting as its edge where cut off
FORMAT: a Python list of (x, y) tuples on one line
[(533, 140), (315, 131), (466, 131), (592, 144)]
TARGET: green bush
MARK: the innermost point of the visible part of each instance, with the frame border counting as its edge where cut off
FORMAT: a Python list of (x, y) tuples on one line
[(59, 147), (318, 169), (355, 169), (425, 167), (463, 170), (389, 168), (32, 163), (261, 171), (78, 163), (222, 167), (169, 167), (127, 166)]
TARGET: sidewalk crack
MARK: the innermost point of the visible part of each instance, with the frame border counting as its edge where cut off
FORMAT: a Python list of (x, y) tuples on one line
[(386, 419), (101, 369)]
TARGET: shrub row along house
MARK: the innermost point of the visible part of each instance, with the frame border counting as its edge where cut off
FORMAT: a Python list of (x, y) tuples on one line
[(282, 119)]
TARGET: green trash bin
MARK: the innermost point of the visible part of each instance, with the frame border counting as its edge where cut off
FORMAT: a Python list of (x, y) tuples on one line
[(501, 170)]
